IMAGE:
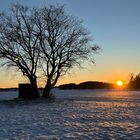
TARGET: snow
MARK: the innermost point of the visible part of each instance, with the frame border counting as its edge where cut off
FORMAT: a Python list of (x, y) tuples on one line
[(73, 115)]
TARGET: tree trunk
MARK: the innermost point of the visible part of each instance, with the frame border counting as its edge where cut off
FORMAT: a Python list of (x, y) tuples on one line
[(47, 90), (34, 86)]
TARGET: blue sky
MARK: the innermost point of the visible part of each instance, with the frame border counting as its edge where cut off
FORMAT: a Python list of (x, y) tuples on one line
[(114, 25)]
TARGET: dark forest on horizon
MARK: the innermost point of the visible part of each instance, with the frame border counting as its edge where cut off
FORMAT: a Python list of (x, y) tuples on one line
[(87, 85), (133, 84)]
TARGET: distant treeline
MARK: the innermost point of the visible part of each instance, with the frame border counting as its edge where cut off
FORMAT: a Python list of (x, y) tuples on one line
[(134, 82), (8, 89), (87, 85)]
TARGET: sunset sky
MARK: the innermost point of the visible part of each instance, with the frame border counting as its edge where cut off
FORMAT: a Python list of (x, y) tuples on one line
[(114, 25)]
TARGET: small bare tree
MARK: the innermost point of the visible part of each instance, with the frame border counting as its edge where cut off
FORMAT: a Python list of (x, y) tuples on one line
[(19, 41), (64, 43)]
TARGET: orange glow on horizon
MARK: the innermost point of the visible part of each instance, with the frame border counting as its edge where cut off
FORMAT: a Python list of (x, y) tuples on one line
[(8, 81)]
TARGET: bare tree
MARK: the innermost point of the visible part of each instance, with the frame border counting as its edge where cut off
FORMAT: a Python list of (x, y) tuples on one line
[(47, 37), (20, 41), (64, 42)]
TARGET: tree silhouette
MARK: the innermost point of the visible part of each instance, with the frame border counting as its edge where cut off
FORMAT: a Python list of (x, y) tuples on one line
[(19, 41), (134, 82), (64, 44), (47, 38)]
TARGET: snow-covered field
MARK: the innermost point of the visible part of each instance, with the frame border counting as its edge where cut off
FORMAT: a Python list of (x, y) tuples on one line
[(73, 115)]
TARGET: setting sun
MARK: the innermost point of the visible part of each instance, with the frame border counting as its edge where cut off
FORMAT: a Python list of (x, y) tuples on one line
[(119, 83)]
